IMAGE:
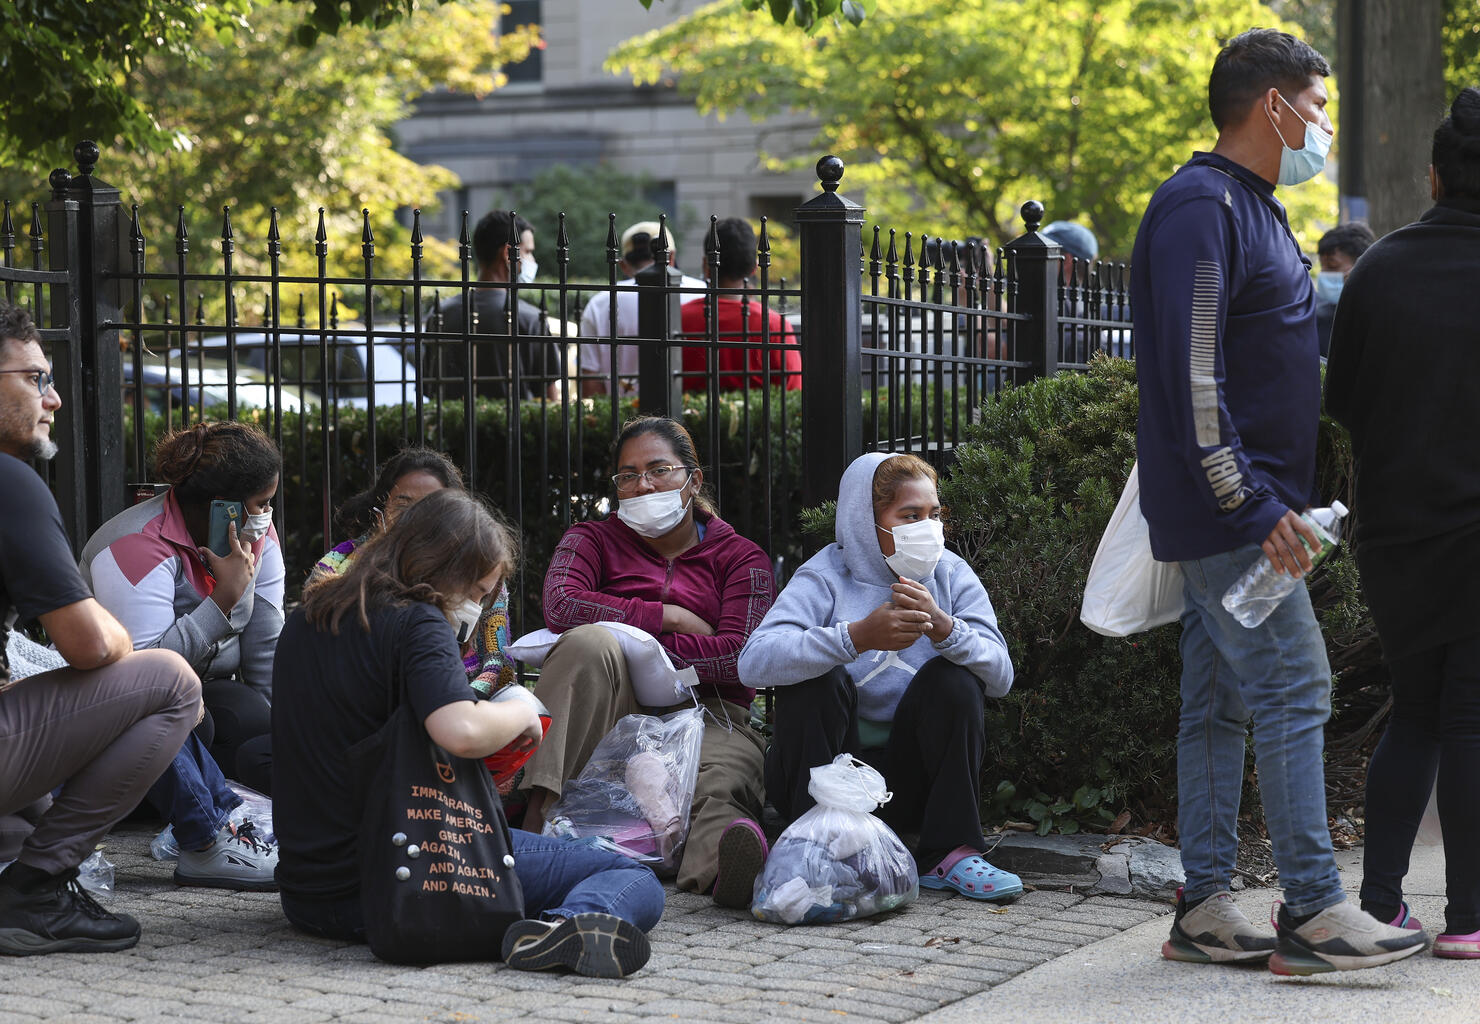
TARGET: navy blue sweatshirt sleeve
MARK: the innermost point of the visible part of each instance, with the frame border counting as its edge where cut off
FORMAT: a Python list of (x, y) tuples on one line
[(1194, 265)]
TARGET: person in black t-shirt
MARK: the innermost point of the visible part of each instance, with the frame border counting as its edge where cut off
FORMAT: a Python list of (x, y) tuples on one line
[(102, 729), (392, 619)]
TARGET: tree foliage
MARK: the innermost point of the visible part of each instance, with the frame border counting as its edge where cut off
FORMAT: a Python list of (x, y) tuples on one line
[(808, 15), (950, 116), (259, 122), (71, 69), (1461, 45)]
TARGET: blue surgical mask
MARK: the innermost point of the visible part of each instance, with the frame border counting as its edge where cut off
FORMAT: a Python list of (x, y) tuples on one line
[(1297, 165), (528, 268), (1328, 285)]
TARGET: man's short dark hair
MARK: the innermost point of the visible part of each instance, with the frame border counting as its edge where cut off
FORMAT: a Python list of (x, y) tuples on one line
[(736, 244), (1257, 60), (16, 326), (1456, 152), (1352, 238), (495, 233)]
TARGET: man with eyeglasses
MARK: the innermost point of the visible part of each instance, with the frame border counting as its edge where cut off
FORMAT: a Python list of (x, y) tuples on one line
[(102, 729)]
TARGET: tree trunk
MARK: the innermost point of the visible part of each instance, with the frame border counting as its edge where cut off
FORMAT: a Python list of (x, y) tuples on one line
[(1399, 75)]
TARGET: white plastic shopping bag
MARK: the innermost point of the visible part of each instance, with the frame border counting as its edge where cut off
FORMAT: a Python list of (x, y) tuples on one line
[(1129, 591), (655, 682)]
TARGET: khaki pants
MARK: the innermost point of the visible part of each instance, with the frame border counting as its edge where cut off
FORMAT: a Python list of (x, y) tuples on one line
[(104, 736), (585, 684)]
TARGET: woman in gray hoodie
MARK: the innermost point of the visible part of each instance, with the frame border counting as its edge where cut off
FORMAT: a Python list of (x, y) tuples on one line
[(885, 645)]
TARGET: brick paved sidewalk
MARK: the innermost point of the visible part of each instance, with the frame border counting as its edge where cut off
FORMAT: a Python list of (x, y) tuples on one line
[(210, 955)]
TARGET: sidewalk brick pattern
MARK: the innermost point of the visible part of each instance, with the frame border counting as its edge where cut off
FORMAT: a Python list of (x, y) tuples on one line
[(209, 955)]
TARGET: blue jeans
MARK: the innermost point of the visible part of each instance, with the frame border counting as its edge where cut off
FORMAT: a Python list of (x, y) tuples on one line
[(560, 878), (1277, 674), (192, 795)]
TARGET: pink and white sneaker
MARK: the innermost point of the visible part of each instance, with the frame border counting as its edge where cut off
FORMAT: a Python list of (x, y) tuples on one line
[(1458, 947)]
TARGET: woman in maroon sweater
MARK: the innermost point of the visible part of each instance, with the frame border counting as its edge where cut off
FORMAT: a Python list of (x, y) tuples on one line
[(668, 565)]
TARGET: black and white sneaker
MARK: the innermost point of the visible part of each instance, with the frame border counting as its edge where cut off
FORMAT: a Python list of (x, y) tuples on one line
[(1215, 932), (62, 918), (1339, 938), (595, 945), (239, 859)]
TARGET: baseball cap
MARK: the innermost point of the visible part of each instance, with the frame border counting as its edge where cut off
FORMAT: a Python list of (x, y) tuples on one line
[(648, 230), (1078, 239)]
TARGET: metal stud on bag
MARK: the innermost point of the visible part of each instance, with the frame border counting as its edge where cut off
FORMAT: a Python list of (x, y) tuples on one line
[(508, 860), (413, 851), (403, 873), (399, 839)]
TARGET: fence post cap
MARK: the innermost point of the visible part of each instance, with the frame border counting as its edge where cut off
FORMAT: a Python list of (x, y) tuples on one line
[(830, 172), (86, 154), (1032, 212)]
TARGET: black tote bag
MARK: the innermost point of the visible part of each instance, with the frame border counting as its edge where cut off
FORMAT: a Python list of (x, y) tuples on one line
[(437, 879)]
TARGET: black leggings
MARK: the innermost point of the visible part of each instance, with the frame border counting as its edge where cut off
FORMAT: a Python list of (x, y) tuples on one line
[(1434, 731), (932, 764), (240, 714)]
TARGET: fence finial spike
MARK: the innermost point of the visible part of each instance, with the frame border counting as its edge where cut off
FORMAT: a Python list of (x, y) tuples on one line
[(321, 234), (38, 235), (875, 253), (660, 244), (226, 233), (416, 236), (6, 226), (612, 253), (892, 256), (135, 234), (562, 239), (366, 235), (273, 234), (764, 243), (909, 252)]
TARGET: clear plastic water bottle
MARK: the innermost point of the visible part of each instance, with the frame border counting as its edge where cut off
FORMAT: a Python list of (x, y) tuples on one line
[(1257, 592)]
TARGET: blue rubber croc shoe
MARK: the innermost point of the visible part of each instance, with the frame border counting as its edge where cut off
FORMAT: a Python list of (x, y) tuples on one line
[(966, 871)]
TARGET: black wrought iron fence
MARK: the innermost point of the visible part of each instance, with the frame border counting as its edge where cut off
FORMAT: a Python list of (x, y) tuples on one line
[(889, 346)]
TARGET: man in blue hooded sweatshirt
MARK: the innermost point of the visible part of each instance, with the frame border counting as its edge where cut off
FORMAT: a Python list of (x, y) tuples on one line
[(1229, 373)]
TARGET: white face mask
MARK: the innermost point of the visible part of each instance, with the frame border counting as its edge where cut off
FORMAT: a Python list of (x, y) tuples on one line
[(917, 548), (1297, 165), (255, 528), (465, 615), (653, 514), (528, 268)]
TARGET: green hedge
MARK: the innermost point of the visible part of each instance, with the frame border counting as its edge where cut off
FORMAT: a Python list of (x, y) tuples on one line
[(1090, 725)]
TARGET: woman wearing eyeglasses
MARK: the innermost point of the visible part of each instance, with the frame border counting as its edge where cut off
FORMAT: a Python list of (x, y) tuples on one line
[(667, 564)]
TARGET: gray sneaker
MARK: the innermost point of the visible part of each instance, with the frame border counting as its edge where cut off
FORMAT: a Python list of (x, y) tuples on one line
[(239, 859), (1215, 932), (1339, 938)]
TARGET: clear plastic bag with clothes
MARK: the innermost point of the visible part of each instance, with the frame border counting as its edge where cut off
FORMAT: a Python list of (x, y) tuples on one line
[(637, 789), (255, 807), (837, 861)]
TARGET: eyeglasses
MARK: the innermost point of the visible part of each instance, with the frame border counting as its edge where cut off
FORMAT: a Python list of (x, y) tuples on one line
[(44, 379), (658, 476)]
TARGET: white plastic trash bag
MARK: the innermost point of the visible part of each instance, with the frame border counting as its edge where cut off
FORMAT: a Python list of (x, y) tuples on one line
[(837, 861), (1129, 591), (637, 789), (655, 682)]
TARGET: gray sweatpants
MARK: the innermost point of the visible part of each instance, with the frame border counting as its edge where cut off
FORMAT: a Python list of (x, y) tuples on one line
[(103, 736)]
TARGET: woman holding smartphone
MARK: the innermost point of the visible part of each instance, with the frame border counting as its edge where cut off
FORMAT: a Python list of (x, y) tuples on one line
[(152, 567)]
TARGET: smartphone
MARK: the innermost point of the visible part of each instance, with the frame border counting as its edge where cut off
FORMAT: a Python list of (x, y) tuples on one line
[(223, 514)]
